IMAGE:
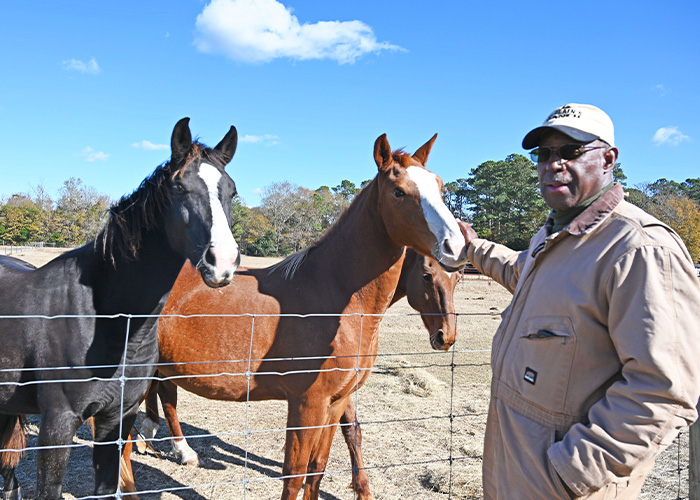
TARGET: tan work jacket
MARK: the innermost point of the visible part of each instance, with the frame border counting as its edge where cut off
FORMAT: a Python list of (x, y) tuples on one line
[(596, 363)]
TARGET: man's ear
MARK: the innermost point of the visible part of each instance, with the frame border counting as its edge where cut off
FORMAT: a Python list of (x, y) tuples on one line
[(610, 158)]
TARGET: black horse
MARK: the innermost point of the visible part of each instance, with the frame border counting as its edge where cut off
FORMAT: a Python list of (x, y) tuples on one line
[(78, 336)]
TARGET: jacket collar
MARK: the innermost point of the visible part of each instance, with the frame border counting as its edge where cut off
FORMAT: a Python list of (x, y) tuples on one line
[(595, 214)]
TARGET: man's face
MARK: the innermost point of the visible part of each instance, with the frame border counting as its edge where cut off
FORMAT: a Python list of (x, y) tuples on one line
[(566, 183)]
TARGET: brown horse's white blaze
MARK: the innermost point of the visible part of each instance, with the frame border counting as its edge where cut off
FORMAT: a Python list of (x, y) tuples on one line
[(450, 249), (222, 256)]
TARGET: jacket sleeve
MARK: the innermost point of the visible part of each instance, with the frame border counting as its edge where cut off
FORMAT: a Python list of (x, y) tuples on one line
[(653, 296), (497, 261)]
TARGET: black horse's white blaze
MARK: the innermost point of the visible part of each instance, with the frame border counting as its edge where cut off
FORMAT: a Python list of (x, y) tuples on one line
[(223, 249)]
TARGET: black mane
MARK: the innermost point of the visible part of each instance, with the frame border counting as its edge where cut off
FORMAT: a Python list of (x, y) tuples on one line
[(134, 214)]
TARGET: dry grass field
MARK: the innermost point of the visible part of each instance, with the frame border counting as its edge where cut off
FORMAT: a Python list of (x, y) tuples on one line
[(412, 448)]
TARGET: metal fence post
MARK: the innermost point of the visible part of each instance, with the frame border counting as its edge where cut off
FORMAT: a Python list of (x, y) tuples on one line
[(694, 462)]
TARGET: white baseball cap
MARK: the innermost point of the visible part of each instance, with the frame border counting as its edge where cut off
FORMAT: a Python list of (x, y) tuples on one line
[(582, 122)]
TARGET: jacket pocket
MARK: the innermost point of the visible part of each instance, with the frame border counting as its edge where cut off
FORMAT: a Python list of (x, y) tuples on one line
[(539, 365), (499, 336)]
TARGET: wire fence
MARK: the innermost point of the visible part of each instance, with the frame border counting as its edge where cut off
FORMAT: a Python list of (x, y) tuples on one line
[(422, 414)]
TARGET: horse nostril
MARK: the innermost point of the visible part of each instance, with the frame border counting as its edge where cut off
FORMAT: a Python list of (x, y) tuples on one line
[(440, 338), (446, 247), (209, 257)]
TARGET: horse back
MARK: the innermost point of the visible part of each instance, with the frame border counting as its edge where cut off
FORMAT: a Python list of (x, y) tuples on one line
[(7, 262)]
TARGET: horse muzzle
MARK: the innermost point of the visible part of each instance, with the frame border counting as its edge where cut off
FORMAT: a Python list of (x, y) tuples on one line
[(440, 342), (217, 266), (452, 254)]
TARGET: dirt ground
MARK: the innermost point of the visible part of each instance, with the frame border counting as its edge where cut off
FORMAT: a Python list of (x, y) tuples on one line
[(412, 448)]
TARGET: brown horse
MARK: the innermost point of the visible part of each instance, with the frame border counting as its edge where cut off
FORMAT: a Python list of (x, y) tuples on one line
[(429, 289), (305, 330)]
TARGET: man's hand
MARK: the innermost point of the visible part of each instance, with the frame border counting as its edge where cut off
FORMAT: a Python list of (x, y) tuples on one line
[(467, 231)]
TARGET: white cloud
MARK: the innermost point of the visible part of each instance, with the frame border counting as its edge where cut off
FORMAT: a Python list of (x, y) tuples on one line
[(91, 67), (669, 135), (268, 139), (661, 89), (91, 155), (149, 146), (259, 31)]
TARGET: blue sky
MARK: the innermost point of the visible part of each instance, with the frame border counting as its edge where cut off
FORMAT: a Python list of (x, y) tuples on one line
[(92, 89)]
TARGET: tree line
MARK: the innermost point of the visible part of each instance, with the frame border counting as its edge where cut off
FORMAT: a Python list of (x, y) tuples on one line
[(75, 217), (500, 199)]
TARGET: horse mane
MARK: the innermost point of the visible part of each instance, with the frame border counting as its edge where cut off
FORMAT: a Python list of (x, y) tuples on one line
[(401, 157), (290, 264), (134, 215)]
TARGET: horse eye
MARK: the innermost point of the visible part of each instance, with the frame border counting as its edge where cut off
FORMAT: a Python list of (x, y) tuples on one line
[(179, 187), (399, 193), (428, 277)]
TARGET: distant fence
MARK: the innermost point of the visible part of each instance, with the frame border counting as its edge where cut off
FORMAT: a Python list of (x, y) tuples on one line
[(7, 248), (35, 244)]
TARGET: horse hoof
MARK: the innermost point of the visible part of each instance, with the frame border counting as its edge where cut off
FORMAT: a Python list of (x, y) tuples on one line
[(15, 494), (141, 446), (193, 462), (368, 496), (360, 495), (186, 454)]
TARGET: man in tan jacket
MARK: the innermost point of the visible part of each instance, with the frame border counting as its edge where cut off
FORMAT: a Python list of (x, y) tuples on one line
[(596, 361)]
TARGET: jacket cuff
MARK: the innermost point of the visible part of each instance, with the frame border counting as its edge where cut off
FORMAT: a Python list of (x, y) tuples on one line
[(566, 473), (474, 245)]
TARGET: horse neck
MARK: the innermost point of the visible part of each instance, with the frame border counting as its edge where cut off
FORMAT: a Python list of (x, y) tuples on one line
[(140, 284), (359, 255), (409, 263)]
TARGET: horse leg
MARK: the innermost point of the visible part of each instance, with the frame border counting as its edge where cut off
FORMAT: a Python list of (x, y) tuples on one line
[(127, 483), (167, 391), (11, 489), (57, 430), (13, 437), (105, 457), (320, 452), (303, 433), (353, 438), (151, 423)]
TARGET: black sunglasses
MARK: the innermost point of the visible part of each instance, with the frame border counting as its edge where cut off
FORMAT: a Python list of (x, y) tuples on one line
[(566, 152)]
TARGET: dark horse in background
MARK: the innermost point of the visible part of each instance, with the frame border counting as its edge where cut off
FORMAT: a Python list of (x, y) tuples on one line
[(81, 354)]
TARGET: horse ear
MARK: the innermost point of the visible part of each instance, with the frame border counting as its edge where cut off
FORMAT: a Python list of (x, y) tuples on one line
[(422, 154), (382, 152), (181, 140), (227, 146)]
